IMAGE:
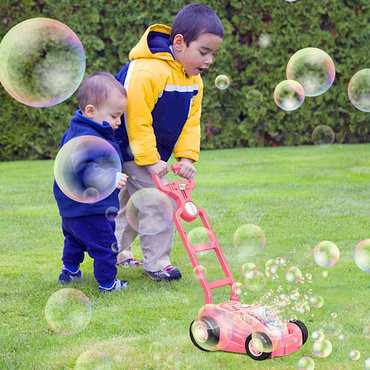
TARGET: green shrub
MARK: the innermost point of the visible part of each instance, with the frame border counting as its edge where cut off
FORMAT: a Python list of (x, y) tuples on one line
[(109, 29)]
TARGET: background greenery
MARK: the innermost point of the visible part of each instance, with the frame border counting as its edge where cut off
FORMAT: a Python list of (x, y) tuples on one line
[(299, 196), (109, 29)]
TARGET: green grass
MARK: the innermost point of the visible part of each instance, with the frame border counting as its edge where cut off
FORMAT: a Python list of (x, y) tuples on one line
[(299, 196)]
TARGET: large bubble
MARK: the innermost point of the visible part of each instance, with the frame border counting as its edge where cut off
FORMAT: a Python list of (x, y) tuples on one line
[(326, 254), (313, 69), (42, 62), (149, 211), (257, 283), (323, 136), (201, 236), (323, 348), (362, 255), (289, 95), (359, 90), (249, 239), (213, 329), (68, 311), (86, 169), (93, 360), (249, 270), (306, 363), (254, 97), (293, 274)]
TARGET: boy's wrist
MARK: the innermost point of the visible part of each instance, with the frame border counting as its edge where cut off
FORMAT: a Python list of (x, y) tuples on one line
[(186, 160)]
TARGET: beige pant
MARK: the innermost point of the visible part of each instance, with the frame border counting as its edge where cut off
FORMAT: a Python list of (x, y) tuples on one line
[(156, 248)]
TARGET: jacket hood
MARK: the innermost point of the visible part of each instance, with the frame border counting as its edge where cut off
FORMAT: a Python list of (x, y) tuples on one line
[(155, 43)]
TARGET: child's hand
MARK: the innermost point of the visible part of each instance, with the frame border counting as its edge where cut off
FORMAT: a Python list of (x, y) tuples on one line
[(160, 168), (187, 170), (122, 180)]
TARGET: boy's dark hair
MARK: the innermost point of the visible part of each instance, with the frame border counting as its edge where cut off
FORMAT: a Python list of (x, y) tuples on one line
[(195, 20), (96, 88)]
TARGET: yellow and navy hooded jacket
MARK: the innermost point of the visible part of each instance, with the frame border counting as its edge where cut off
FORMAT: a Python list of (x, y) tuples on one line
[(164, 103)]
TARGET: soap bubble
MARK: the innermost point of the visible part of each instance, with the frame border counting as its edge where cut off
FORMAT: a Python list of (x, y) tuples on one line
[(318, 336), (355, 355), (249, 239), (367, 364), (257, 283), (249, 270), (316, 301), (222, 82), (276, 336), (313, 69), (359, 90), (366, 332), (289, 95), (323, 136), (200, 272), (306, 363), (323, 348), (294, 294), (42, 62), (333, 315), (293, 274), (93, 360), (326, 254), (362, 255), (280, 261), (254, 97), (237, 288), (211, 320), (334, 327), (201, 236), (149, 211), (124, 257), (272, 264), (264, 41), (86, 168), (68, 311)]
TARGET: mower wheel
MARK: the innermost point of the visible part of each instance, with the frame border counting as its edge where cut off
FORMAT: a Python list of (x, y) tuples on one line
[(303, 330), (254, 351), (205, 333)]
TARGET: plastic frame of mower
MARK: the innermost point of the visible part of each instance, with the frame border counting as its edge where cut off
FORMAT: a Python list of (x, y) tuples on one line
[(230, 326)]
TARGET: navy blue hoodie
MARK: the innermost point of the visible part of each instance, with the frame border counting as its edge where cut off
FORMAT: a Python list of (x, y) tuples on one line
[(82, 126)]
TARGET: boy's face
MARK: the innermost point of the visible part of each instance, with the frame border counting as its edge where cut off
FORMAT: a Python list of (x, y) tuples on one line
[(111, 111), (199, 55)]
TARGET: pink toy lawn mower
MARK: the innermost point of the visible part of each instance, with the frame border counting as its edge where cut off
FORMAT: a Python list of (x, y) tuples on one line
[(230, 326)]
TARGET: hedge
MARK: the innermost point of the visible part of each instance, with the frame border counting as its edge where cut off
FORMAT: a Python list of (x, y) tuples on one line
[(108, 29)]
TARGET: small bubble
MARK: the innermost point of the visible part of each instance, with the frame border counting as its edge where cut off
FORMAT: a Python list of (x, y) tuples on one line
[(355, 355), (222, 82)]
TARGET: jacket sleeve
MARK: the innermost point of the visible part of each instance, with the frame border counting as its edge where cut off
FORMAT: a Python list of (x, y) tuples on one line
[(188, 144), (143, 93)]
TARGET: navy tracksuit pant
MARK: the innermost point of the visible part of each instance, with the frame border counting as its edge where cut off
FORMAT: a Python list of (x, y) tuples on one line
[(93, 234)]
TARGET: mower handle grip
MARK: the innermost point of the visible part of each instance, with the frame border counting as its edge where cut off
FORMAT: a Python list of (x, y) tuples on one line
[(158, 182)]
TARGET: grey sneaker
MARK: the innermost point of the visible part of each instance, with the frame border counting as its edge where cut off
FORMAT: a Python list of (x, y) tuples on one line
[(167, 273)]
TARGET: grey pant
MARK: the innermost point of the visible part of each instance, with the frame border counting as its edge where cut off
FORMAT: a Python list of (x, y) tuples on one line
[(156, 248)]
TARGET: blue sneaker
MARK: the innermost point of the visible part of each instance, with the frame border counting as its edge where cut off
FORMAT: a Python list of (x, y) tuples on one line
[(167, 273), (117, 285), (68, 276)]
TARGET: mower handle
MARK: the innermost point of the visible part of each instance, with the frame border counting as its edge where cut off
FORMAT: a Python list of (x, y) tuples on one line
[(164, 188)]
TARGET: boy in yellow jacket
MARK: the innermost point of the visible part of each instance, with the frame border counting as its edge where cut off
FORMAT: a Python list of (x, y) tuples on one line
[(164, 89)]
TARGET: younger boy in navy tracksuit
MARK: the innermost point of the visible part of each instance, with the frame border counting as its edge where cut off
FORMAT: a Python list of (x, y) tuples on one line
[(86, 226)]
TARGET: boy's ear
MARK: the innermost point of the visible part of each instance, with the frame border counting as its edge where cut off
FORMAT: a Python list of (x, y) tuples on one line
[(90, 111), (178, 42)]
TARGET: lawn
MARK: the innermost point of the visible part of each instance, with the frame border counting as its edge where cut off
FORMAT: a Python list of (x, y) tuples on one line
[(299, 196)]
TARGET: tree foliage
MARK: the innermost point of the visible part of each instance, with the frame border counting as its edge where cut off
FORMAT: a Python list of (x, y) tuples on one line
[(108, 29)]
